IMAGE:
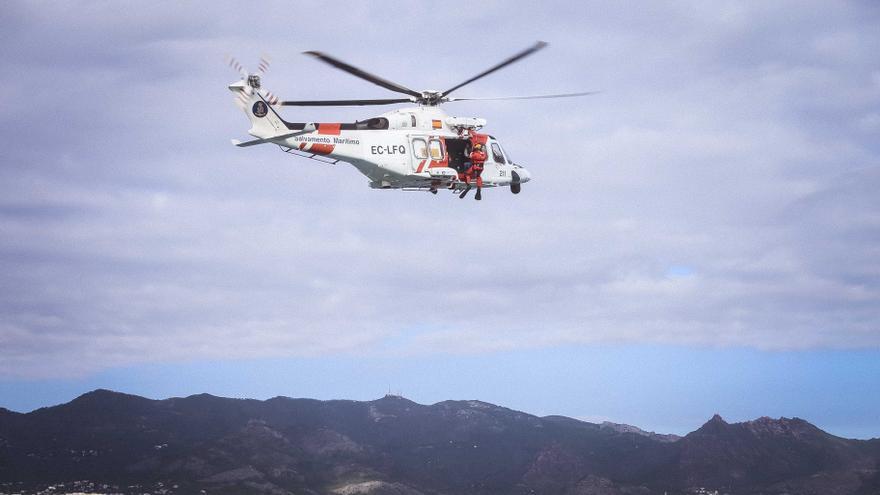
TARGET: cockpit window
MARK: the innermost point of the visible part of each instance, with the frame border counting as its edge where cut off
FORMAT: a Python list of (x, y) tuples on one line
[(506, 156), (496, 153), (374, 123), (420, 149)]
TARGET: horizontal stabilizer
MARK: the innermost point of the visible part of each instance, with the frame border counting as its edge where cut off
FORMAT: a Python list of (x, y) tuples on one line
[(308, 128)]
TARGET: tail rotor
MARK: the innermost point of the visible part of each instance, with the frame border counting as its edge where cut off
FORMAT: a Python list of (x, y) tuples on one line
[(236, 66), (263, 66), (252, 82)]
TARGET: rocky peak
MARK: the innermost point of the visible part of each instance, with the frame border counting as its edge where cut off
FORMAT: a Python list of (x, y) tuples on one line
[(714, 426), (765, 426)]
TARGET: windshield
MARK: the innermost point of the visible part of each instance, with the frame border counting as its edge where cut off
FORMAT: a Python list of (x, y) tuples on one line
[(506, 154), (496, 153)]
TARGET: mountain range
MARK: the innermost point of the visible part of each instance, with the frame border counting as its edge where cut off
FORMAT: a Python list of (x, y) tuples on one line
[(106, 441)]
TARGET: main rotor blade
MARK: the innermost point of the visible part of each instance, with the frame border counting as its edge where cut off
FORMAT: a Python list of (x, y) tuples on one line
[(344, 103), (531, 97), (525, 53), (363, 74)]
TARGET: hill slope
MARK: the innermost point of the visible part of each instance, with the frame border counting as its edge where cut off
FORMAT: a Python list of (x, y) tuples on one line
[(396, 446)]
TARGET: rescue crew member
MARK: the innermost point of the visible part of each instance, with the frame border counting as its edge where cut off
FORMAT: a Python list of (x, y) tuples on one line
[(478, 159)]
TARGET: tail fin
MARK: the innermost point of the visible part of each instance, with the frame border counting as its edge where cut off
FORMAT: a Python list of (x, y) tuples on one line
[(257, 105)]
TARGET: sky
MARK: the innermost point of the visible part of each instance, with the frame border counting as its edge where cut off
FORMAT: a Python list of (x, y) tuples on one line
[(701, 236)]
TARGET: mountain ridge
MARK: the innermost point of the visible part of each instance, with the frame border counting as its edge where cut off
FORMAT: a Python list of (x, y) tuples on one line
[(394, 445)]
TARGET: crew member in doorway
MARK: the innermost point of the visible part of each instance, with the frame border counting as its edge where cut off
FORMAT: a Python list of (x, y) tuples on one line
[(478, 159)]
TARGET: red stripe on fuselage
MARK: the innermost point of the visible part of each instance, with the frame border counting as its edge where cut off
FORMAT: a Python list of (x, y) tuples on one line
[(321, 149), (331, 129)]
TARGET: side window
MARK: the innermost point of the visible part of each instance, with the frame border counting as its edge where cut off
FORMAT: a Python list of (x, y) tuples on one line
[(412, 118), (436, 150), (496, 153), (420, 149)]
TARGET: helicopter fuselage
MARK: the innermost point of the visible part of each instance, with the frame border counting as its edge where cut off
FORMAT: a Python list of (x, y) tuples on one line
[(418, 148)]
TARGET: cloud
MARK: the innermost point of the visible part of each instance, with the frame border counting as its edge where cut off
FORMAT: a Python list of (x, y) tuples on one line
[(721, 191)]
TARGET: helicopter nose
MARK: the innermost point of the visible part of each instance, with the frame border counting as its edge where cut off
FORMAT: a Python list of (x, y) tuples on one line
[(524, 175)]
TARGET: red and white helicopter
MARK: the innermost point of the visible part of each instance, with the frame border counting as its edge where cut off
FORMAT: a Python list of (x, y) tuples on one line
[(414, 148)]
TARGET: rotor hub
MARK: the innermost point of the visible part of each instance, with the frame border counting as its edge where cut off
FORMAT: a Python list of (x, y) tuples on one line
[(431, 97), (254, 81)]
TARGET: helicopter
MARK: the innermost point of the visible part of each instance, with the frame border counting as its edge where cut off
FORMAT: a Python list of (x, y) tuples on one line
[(418, 148)]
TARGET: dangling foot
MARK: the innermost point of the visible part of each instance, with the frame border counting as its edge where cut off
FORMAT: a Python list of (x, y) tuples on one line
[(464, 193), (479, 194)]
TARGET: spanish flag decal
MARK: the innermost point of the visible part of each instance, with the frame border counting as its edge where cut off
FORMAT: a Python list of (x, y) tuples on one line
[(437, 124)]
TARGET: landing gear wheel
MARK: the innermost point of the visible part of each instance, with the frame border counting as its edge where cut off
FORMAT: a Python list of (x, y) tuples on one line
[(479, 194)]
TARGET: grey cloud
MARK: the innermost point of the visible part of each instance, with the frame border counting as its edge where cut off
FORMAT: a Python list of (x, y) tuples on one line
[(733, 140)]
